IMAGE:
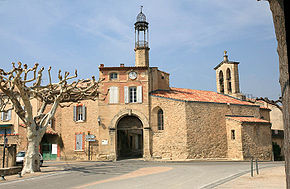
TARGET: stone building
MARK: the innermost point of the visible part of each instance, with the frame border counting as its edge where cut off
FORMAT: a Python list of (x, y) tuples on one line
[(138, 114)]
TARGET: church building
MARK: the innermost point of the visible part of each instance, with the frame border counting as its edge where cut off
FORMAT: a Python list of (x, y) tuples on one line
[(138, 115)]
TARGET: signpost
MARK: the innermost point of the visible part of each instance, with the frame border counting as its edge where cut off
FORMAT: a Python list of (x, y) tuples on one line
[(4, 146), (90, 138)]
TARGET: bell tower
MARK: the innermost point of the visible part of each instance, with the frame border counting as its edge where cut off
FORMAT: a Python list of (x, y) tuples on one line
[(227, 77), (141, 41)]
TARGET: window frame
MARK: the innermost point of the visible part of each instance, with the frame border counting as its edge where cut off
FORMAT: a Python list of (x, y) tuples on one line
[(133, 94), (115, 74), (233, 134), (7, 115), (160, 120), (79, 113)]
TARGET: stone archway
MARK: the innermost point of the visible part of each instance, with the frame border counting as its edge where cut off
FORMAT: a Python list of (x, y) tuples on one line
[(129, 137), (113, 129)]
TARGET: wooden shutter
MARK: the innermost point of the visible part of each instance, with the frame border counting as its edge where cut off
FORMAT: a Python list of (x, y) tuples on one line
[(126, 94), (84, 112), (79, 141), (75, 113), (9, 114), (139, 94), (111, 95), (114, 95)]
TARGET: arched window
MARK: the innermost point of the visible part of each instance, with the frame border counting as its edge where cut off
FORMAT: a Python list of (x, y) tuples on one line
[(221, 82), (229, 80), (160, 119)]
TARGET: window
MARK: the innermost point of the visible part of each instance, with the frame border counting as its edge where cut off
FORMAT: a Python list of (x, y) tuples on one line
[(160, 119), (6, 116), (114, 95), (8, 131), (221, 82), (113, 76), (79, 145), (79, 113), (229, 80), (233, 135), (133, 94)]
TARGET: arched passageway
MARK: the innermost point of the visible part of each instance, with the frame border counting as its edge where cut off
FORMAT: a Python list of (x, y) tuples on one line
[(129, 137)]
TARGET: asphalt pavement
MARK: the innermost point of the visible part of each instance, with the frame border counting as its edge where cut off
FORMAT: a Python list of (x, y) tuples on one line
[(134, 173)]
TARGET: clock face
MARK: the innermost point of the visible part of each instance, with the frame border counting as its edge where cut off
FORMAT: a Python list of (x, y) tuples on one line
[(132, 75)]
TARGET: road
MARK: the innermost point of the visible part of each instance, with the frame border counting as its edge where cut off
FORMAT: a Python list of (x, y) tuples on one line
[(131, 174)]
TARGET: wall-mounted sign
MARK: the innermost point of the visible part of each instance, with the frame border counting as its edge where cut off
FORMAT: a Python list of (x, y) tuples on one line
[(104, 142)]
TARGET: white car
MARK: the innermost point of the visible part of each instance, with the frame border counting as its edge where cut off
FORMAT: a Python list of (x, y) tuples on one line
[(20, 157)]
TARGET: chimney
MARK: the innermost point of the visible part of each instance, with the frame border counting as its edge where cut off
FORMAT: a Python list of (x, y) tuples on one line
[(122, 65)]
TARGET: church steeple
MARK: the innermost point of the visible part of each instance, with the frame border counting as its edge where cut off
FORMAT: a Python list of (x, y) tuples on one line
[(227, 77), (141, 41)]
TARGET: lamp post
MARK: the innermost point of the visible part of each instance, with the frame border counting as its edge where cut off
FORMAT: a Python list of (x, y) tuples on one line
[(4, 146)]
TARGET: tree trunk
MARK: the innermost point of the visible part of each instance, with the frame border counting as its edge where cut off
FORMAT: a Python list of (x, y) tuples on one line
[(32, 159), (279, 19)]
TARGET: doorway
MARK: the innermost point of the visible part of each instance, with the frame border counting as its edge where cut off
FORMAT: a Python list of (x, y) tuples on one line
[(129, 138)]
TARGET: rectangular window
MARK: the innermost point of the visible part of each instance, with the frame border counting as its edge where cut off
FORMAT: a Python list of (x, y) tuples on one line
[(113, 76), (114, 95), (8, 131), (79, 113), (132, 94), (233, 135), (6, 116), (79, 142)]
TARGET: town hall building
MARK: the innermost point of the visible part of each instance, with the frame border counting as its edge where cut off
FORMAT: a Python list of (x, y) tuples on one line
[(138, 115)]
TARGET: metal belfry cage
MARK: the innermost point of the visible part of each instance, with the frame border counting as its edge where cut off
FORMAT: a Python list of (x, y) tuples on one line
[(141, 31)]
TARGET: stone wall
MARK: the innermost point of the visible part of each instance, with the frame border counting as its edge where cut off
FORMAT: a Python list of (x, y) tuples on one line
[(235, 147), (169, 143), (257, 141), (206, 127), (10, 155), (69, 129)]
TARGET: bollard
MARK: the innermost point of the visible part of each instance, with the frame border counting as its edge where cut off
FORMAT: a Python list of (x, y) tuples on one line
[(19, 174), (257, 168), (252, 171), (2, 177)]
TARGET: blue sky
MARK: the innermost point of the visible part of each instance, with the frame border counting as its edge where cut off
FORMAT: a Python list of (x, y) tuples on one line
[(187, 38)]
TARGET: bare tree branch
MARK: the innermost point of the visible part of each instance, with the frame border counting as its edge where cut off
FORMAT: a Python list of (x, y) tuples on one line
[(21, 85)]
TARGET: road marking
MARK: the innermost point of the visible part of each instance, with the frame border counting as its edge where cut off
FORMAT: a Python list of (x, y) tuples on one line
[(138, 173), (231, 177)]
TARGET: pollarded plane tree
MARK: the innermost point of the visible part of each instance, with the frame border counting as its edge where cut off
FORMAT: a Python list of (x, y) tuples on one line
[(22, 84)]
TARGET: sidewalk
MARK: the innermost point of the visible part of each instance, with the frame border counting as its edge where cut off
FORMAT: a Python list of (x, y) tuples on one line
[(273, 177), (44, 171)]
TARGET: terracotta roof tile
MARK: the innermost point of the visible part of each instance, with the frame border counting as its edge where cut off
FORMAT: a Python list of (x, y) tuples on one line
[(198, 96), (248, 119), (264, 107)]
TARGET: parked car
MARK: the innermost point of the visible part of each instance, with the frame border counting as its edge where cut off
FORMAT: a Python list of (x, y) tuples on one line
[(20, 157)]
